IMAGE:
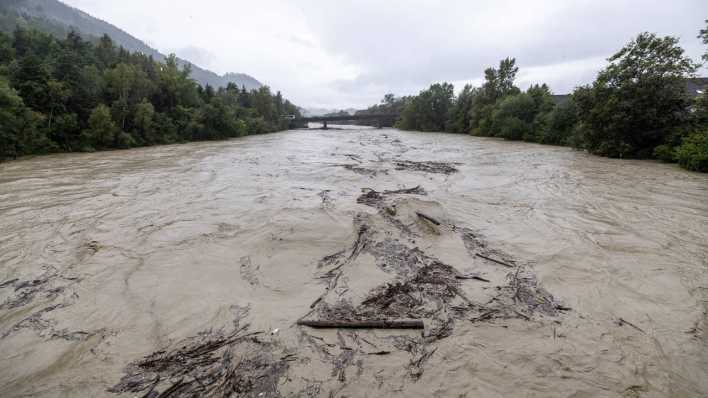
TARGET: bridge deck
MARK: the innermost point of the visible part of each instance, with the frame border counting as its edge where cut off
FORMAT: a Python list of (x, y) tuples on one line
[(342, 118)]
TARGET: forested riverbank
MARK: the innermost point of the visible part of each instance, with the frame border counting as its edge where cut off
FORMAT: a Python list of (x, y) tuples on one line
[(79, 95), (638, 107)]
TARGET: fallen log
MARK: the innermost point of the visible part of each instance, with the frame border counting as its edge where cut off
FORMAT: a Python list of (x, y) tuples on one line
[(495, 261), (378, 353), (316, 302), (624, 322), (428, 218), (410, 191), (475, 277), (375, 324)]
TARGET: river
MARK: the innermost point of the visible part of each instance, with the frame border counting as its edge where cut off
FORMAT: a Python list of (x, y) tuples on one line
[(600, 285)]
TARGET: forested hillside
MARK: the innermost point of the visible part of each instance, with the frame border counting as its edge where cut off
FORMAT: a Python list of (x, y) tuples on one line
[(58, 19), (74, 95)]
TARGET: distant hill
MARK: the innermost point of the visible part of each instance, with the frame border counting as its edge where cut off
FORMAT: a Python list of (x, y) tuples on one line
[(57, 18)]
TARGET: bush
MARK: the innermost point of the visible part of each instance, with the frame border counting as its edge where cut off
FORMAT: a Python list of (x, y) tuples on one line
[(665, 153), (255, 125), (692, 154), (557, 126), (513, 117), (125, 140), (101, 131)]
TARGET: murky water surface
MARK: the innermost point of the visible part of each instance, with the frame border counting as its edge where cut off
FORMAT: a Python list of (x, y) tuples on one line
[(107, 258)]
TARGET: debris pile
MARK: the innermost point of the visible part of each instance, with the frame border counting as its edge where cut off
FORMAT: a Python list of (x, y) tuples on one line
[(212, 365), (426, 167), (414, 289)]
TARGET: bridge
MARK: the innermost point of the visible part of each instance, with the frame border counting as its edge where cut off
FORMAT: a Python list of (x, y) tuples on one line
[(377, 120)]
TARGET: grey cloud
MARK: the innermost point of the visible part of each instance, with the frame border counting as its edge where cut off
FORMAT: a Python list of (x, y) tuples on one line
[(350, 53), (300, 41), (402, 43)]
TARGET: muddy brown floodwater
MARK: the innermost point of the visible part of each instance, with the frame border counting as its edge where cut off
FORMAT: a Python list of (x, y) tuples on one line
[(183, 270)]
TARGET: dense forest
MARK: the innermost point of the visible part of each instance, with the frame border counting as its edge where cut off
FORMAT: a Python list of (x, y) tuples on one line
[(74, 95), (637, 107), (58, 19)]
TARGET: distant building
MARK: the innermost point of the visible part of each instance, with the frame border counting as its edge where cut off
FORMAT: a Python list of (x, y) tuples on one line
[(696, 86)]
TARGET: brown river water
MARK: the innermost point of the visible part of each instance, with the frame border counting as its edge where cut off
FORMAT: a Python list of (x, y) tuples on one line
[(202, 257)]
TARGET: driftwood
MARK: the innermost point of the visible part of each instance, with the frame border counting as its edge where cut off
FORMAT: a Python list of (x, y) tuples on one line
[(428, 218), (621, 322), (378, 353), (316, 302), (151, 392), (495, 261), (409, 191), (374, 324), (475, 277)]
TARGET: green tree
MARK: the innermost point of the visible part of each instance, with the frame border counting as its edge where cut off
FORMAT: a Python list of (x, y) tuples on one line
[(174, 86), (513, 117), (165, 127), (692, 154), (30, 79), (704, 37), (263, 104), (127, 83), (89, 93), (106, 52), (56, 96), (143, 121), (7, 52), (520, 116), (66, 131), (120, 111), (635, 102), (556, 127), (430, 110), (460, 115), (498, 84), (101, 131), (543, 106), (19, 133)]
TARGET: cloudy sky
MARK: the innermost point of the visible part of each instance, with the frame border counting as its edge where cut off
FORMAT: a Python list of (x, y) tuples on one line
[(345, 53)]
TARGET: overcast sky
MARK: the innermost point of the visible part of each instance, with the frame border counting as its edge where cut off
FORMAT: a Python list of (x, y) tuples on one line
[(339, 53)]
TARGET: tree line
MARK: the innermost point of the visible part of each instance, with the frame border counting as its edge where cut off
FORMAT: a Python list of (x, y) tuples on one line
[(79, 95), (638, 107)]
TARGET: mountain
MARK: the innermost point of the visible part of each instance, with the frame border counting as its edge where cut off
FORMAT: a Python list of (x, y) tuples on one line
[(57, 18)]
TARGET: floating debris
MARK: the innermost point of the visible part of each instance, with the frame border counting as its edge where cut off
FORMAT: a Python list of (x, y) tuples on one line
[(426, 167), (211, 365)]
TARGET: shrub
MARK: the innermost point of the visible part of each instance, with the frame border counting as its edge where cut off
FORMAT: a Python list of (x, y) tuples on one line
[(692, 154), (664, 153), (513, 117), (557, 126)]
